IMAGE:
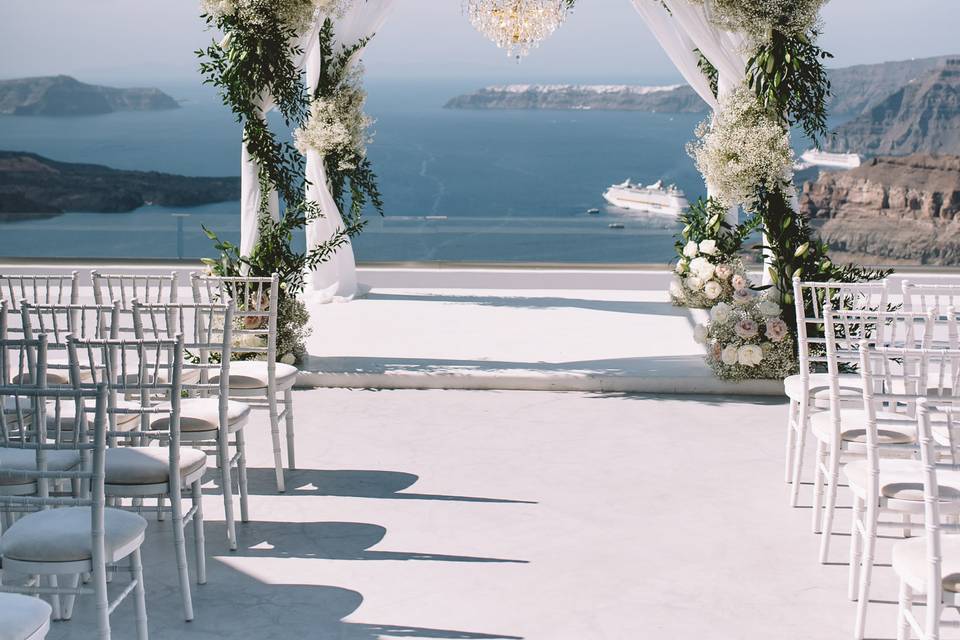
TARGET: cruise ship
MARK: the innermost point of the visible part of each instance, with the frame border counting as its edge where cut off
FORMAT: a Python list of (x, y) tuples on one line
[(654, 198), (817, 158)]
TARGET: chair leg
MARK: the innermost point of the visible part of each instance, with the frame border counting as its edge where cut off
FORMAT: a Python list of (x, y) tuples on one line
[(818, 487), (288, 417), (904, 606), (833, 479), (275, 434), (139, 594), (856, 548), (801, 424), (241, 445), (55, 603), (866, 569), (161, 500), (905, 518), (180, 549), (70, 599), (226, 480), (199, 539), (791, 442)]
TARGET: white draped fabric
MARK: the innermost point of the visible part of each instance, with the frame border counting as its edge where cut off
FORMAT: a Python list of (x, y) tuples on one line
[(250, 191), (336, 279), (681, 27)]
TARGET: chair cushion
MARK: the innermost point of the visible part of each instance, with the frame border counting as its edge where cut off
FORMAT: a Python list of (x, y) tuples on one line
[(851, 388), (149, 465), (23, 616), (910, 562), (203, 414), (26, 460), (187, 376), (63, 535), (68, 418), (252, 374), (853, 426), (901, 479)]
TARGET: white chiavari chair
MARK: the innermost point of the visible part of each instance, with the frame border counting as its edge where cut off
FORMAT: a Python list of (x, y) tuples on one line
[(844, 430), (809, 391), (209, 418), (894, 379), (257, 382), (124, 288), (58, 322), (147, 375), (71, 534), (923, 297), (929, 566), (37, 289)]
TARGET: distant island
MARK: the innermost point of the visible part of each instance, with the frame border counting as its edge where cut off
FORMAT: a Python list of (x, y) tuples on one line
[(678, 98), (67, 96), (32, 184)]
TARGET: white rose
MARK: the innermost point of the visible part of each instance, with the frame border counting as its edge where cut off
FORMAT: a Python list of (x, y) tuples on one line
[(694, 283), (729, 356), (676, 288), (724, 271), (720, 313), (749, 355), (708, 247), (681, 266), (288, 359), (712, 289), (700, 334), (702, 268), (768, 308), (690, 250), (738, 282)]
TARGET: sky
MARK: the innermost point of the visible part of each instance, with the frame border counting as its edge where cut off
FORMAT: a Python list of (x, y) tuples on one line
[(151, 42)]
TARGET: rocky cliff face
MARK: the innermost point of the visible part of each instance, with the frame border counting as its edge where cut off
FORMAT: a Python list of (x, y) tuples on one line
[(901, 208), (66, 96), (668, 99), (31, 184), (857, 89), (921, 117)]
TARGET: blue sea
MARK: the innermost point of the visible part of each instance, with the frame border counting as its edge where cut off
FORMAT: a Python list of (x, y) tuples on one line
[(503, 186)]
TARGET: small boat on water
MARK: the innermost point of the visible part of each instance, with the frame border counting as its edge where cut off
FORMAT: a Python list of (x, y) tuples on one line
[(654, 198), (615, 225), (592, 212)]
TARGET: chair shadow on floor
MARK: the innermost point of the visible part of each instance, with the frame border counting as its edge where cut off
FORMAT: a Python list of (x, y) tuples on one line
[(325, 541), (349, 483)]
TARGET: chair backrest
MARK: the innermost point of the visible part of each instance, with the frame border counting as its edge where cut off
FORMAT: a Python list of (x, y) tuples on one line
[(60, 321), (90, 442), (124, 288), (810, 300), (38, 289), (255, 303), (143, 378), (921, 297), (891, 349), (22, 365), (207, 330)]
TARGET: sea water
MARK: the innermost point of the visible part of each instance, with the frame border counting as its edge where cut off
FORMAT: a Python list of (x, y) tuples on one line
[(458, 185)]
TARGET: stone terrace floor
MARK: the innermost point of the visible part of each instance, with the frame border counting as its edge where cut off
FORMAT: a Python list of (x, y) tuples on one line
[(514, 514)]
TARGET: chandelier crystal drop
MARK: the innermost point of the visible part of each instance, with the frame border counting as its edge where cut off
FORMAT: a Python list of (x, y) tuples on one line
[(516, 25)]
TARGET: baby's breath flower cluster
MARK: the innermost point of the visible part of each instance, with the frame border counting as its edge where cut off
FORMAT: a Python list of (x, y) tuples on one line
[(337, 126), (294, 14), (704, 277), (748, 339), (743, 147), (757, 18)]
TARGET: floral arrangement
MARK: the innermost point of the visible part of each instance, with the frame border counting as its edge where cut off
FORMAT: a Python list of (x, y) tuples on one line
[(295, 15), (757, 18), (337, 126), (748, 339), (741, 147), (708, 269)]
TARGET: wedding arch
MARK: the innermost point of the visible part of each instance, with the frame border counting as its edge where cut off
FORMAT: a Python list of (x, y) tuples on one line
[(754, 62)]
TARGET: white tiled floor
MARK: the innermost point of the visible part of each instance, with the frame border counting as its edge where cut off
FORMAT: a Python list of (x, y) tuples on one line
[(514, 514)]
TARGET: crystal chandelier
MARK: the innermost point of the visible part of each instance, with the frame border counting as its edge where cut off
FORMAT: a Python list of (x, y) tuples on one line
[(517, 25)]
